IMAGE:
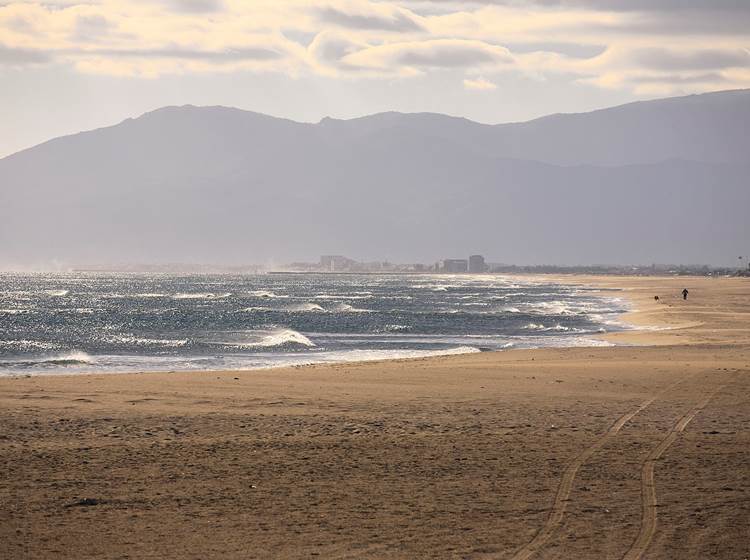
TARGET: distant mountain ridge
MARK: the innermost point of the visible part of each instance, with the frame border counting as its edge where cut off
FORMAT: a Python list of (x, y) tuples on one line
[(661, 180), (711, 127)]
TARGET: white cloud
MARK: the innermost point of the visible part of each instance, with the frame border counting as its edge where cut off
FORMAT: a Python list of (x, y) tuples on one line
[(479, 83), (367, 16), (635, 50), (414, 57)]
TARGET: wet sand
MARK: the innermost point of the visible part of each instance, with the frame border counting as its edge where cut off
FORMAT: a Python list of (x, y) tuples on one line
[(619, 452)]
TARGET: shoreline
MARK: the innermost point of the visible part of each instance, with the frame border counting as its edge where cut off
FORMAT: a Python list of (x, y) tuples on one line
[(673, 320)]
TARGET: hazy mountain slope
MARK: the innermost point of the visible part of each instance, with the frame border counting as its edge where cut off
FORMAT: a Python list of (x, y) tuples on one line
[(713, 127), (222, 185)]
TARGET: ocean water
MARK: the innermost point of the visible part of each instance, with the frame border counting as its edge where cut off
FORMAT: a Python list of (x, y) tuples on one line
[(91, 322)]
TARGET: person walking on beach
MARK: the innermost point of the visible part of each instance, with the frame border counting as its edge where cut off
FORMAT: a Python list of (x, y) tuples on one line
[(685, 293)]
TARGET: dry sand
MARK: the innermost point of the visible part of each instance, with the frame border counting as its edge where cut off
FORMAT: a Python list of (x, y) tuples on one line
[(620, 452)]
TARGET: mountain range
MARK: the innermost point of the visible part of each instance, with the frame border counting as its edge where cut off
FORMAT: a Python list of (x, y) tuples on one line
[(652, 181)]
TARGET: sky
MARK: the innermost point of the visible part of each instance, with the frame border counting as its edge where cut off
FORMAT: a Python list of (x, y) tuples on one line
[(67, 66)]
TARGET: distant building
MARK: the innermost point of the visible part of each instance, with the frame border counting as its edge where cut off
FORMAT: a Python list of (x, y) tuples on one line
[(335, 263), (455, 265), (477, 264)]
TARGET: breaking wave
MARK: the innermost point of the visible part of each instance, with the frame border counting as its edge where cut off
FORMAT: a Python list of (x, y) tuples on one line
[(57, 293), (137, 341), (540, 327), (346, 308), (304, 308), (71, 358), (276, 339), (551, 308), (509, 309), (265, 294), (75, 358), (396, 328), (201, 295), (356, 295)]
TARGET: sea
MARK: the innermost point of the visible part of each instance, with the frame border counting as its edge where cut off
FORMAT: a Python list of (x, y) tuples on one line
[(72, 323)]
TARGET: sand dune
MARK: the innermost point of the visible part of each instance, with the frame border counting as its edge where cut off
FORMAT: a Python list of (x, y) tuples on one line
[(621, 452)]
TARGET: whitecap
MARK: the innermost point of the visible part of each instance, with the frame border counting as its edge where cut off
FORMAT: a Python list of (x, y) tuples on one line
[(346, 308), (510, 309), (540, 327), (550, 307), (201, 295), (138, 341), (304, 308), (396, 328), (356, 295), (275, 339), (73, 358), (57, 293), (265, 294)]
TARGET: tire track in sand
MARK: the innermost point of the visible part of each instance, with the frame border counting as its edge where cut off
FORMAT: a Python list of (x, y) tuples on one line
[(648, 487), (566, 483)]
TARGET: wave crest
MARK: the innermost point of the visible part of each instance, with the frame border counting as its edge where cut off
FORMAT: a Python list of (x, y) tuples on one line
[(304, 308), (70, 359), (200, 295), (277, 339), (346, 308), (540, 327), (57, 293), (265, 294)]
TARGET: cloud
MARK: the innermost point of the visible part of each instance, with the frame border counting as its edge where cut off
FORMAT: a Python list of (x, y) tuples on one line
[(479, 84), (415, 56), (611, 5), (621, 44), (393, 20), (224, 55), (710, 78), (330, 47), (21, 57), (91, 28), (21, 24), (151, 63), (704, 59), (196, 6), (648, 5), (574, 50)]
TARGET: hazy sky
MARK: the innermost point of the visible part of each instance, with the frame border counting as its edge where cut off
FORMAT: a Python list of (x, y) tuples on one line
[(67, 66)]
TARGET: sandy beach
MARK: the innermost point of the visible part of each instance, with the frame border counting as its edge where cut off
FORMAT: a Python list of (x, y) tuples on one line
[(638, 450)]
